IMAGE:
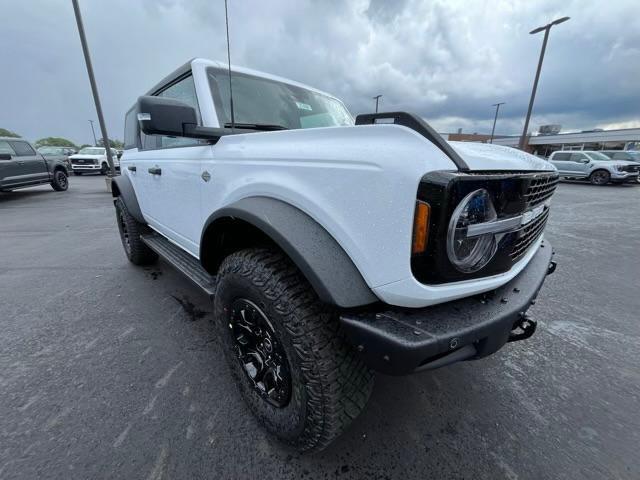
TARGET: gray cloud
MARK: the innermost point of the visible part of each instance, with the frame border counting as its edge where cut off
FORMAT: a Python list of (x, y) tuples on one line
[(446, 60)]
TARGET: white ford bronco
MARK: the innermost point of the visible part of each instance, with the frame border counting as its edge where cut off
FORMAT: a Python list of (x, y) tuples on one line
[(331, 248)]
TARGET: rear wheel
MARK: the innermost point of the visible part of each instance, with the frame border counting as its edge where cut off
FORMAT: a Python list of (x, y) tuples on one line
[(286, 350), (60, 182), (600, 177), (130, 230)]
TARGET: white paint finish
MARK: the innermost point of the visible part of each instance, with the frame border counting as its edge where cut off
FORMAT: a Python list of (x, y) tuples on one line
[(485, 156), (358, 182)]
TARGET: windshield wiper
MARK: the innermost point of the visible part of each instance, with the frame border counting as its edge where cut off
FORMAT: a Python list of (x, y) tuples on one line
[(256, 126)]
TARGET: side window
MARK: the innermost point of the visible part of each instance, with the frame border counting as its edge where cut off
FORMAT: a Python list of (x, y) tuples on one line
[(23, 149), (131, 129), (185, 91), (561, 156), (620, 156), (578, 157), (5, 148)]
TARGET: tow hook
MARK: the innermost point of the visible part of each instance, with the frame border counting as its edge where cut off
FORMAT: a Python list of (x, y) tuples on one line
[(552, 267), (522, 329)]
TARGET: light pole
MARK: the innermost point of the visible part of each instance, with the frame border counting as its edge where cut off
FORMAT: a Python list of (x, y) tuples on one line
[(497, 105), (377, 98), (546, 29), (95, 142), (94, 88)]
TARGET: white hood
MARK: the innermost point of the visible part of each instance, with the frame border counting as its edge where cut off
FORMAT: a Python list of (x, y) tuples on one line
[(90, 157), (485, 156)]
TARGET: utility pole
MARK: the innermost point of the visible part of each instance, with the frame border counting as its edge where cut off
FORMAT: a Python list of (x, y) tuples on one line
[(95, 142), (497, 105), (547, 29), (94, 87), (377, 98)]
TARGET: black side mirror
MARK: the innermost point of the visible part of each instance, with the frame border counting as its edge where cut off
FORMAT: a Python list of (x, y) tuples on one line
[(5, 156), (167, 116)]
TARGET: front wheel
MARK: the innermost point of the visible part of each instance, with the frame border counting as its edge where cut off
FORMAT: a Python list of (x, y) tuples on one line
[(104, 169), (286, 351), (60, 182), (600, 177)]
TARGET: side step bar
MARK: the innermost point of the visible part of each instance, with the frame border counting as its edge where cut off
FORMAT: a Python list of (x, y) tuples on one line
[(181, 261)]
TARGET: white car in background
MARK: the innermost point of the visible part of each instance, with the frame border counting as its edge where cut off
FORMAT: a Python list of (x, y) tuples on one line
[(598, 168), (93, 159)]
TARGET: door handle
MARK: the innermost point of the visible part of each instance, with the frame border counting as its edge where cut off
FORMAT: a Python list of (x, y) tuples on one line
[(132, 168), (20, 162), (155, 171)]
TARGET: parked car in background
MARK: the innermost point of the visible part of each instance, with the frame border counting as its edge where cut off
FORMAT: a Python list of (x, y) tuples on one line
[(57, 153), (598, 168), (22, 166), (92, 160)]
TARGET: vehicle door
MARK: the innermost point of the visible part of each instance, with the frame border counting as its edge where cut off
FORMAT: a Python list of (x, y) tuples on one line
[(32, 164), (560, 160), (167, 176), (11, 171), (579, 165)]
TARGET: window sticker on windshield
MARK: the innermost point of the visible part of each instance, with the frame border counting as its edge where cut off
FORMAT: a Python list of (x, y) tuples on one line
[(303, 106)]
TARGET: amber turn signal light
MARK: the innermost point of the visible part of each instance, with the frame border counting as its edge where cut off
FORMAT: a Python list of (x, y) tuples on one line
[(420, 227)]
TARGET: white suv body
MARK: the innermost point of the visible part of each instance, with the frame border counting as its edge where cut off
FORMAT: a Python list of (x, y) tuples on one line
[(330, 247), (593, 165), (340, 176)]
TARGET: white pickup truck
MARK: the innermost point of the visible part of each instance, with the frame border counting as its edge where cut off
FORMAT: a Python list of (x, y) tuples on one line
[(93, 159), (331, 248)]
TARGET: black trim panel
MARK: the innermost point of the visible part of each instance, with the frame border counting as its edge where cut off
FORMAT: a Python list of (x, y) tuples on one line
[(121, 187), (416, 123), (315, 252)]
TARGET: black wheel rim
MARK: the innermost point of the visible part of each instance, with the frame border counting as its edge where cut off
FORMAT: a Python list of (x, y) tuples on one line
[(62, 180), (124, 233), (600, 178), (259, 352)]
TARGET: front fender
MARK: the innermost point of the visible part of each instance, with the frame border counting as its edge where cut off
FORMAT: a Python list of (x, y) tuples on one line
[(122, 187), (314, 251)]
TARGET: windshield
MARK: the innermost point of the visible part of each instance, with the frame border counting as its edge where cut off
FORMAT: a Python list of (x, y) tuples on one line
[(597, 156), (92, 151), (262, 101)]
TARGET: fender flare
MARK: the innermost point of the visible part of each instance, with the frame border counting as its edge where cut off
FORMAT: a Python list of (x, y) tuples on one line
[(121, 187), (320, 258)]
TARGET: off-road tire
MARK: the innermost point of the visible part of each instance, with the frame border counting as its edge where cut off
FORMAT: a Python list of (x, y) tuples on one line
[(130, 230), (330, 385), (60, 181), (599, 177)]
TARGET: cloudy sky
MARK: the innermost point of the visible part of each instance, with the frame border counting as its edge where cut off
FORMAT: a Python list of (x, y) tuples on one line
[(447, 60)]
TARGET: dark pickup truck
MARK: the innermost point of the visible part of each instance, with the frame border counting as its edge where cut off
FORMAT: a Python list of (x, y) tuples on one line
[(22, 166)]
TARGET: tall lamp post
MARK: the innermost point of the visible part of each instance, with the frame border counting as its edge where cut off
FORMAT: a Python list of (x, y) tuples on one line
[(497, 105), (95, 142), (546, 29), (94, 88), (377, 98)]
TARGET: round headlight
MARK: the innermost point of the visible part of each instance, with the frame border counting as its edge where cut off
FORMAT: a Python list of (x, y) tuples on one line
[(469, 254)]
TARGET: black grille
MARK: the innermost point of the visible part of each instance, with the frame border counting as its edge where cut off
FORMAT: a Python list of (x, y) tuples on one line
[(528, 234), (631, 168), (82, 161), (540, 189)]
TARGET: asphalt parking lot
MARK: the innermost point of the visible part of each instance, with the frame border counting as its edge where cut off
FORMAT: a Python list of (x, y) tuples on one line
[(111, 371)]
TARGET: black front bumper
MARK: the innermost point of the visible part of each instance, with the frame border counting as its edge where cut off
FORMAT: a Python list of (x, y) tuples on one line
[(398, 340)]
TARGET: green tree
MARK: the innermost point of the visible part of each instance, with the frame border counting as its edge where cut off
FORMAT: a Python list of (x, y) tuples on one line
[(55, 142), (113, 143), (8, 133), (84, 145)]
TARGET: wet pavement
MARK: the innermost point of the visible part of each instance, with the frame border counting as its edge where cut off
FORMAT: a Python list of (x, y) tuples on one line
[(108, 370)]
